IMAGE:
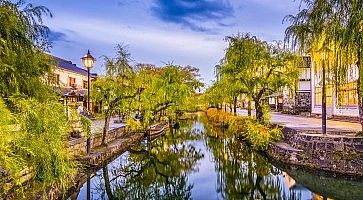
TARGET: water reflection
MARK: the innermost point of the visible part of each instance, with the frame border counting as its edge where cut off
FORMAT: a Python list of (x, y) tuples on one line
[(199, 161), (151, 170), (242, 173)]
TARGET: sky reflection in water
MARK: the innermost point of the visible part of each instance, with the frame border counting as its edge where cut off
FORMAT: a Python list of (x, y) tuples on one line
[(198, 161)]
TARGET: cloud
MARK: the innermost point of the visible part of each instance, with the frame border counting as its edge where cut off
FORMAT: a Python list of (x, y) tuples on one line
[(57, 36), (126, 2), (149, 44), (200, 16)]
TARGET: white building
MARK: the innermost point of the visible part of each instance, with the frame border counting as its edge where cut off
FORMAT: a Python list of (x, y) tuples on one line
[(70, 81), (342, 102), (303, 91), (298, 100)]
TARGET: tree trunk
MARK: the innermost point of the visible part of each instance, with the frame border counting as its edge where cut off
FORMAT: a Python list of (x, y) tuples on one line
[(235, 106), (107, 183), (360, 88), (249, 107), (105, 129), (225, 107), (230, 107), (259, 112)]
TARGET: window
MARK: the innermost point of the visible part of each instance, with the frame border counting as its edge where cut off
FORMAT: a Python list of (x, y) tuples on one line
[(54, 79), (85, 84), (319, 95), (71, 81), (347, 94), (329, 95), (304, 74)]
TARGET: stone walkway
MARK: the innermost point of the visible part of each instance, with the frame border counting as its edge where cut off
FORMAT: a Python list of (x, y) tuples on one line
[(309, 123), (98, 124)]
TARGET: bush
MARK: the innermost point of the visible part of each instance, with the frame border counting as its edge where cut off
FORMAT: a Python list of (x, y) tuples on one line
[(44, 131), (37, 144), (133, 125), (11, 164), (86, 125), (258, 135)]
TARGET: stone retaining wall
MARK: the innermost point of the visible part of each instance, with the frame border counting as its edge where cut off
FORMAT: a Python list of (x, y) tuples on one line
[(336, 153), (78, 146)]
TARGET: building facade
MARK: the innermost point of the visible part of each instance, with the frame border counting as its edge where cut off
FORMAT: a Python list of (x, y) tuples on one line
[(297, 100), (341, 100), (70, 81), (303, 92)]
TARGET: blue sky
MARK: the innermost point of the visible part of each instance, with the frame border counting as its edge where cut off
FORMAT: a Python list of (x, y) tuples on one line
[(187, 32)]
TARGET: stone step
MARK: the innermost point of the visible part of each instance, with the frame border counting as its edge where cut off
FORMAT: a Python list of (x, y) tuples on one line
[(286, 147)]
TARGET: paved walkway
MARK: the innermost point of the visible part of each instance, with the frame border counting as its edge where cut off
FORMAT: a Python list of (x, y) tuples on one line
[(294, 121), (98, 124)]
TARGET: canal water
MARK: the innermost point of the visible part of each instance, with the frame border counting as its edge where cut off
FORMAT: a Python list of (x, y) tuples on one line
[(198, 161)]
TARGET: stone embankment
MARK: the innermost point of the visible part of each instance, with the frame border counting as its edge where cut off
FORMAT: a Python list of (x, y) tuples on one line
[(118, 140), (337, 151)]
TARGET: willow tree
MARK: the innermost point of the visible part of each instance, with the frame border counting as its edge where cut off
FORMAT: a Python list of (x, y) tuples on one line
[(167, 90), (23, 38), (334, 29), (215, 95), (115, 86), (261, 69)]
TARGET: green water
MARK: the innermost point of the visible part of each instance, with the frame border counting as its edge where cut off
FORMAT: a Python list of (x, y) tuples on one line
[(199, 161)]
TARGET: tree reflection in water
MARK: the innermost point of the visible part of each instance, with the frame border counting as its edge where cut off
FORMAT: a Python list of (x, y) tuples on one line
[(157, 170), (241, 172), (169, 166)]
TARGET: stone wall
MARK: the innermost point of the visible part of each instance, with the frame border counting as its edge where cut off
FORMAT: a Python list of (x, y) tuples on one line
[(78, 146), (303, 102), (338, 153)]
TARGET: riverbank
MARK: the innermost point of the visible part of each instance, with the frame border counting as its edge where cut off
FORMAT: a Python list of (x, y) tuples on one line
[(200, 161), (340, 151), (118, 141)]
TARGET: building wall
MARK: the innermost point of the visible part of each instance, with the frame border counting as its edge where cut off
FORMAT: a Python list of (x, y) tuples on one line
[(80, 85), (304, 86), (333, 107), (302, 101), (64, 78)]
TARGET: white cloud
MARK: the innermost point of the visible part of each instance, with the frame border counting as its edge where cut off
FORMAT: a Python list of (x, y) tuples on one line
[(149, 43)]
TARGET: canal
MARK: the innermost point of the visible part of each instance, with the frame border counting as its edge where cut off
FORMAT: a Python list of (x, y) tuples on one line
[(198, 161)]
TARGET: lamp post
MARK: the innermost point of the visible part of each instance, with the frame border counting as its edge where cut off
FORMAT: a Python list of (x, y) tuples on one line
[(323, 96), (88, 60)]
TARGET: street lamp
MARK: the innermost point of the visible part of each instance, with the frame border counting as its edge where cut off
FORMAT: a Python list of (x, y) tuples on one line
[(88, 60)]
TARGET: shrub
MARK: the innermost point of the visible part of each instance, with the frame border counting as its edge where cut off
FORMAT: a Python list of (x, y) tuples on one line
[(44, 130), (11, 164), (132, 124), (36, 143), (86, 125), (260, 136)]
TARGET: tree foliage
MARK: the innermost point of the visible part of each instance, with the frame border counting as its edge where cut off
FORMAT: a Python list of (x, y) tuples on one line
[(167, 90), (33, 132), (115, 87), (145, 90), (23, 38), (32, 141), (332, 32), (256, 69)]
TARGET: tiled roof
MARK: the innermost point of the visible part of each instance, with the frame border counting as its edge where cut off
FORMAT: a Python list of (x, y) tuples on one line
[(68, 65)]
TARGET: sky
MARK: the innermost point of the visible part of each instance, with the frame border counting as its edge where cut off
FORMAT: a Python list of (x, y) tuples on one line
[(185, 32)]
